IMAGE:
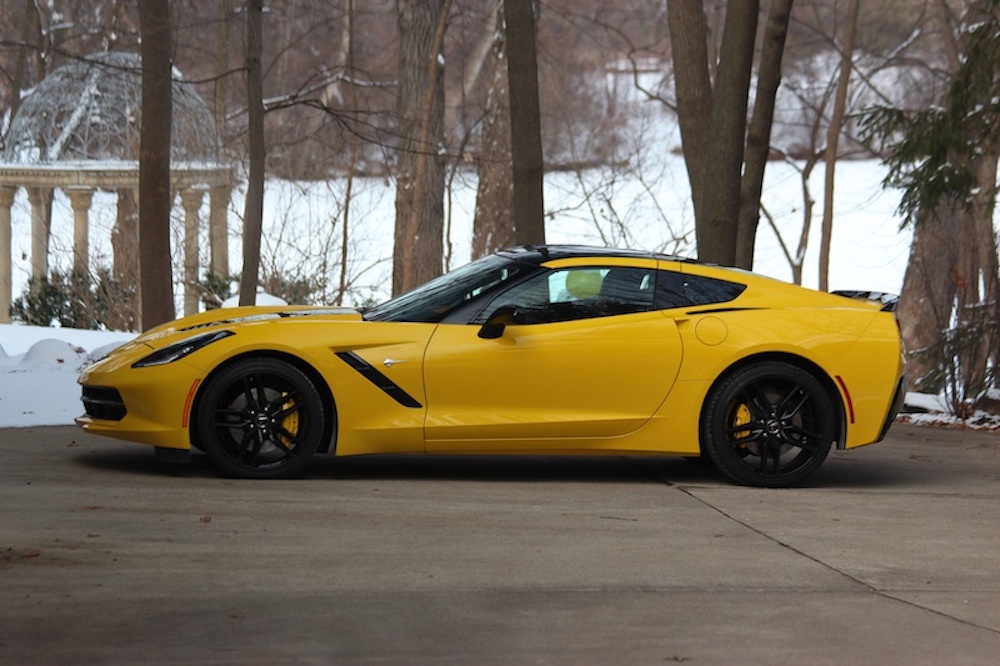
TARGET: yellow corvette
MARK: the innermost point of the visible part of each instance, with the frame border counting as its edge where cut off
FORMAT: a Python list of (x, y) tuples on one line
[(534, 350)]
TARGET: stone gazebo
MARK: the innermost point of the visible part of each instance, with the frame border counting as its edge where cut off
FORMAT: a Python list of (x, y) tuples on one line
[(78, 131)]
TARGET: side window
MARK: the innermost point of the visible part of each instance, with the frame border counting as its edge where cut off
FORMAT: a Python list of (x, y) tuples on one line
[(577, 293), (678, 290)]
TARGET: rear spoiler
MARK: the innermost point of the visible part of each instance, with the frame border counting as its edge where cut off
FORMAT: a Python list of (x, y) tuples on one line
[(889, 301)]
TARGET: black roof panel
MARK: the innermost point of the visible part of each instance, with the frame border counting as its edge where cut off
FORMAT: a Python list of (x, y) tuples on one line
[(537, 254)]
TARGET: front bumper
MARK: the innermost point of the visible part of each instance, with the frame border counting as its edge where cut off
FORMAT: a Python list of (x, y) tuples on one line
[(146, 405)]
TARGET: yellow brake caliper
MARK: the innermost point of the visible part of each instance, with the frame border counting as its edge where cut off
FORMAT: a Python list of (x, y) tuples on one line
[(742, 417), (290, 423)]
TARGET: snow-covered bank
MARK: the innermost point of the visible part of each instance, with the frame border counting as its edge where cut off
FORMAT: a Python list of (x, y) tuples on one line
[(38, 371)]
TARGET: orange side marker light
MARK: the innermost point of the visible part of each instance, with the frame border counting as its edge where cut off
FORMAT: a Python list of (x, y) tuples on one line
[(190, 398)]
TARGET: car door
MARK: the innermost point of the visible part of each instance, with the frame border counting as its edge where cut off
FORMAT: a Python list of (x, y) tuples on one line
[(586, 356)]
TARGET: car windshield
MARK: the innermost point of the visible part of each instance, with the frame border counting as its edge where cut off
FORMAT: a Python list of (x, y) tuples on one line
[(431, 301)]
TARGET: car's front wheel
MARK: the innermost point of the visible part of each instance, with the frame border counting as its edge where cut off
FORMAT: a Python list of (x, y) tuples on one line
[(260, 419), (770, 424)]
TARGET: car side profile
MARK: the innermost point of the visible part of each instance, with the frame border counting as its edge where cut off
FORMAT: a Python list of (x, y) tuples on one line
[(532, 350)]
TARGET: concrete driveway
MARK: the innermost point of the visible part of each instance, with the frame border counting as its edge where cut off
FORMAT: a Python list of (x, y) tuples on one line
[(892, 556)]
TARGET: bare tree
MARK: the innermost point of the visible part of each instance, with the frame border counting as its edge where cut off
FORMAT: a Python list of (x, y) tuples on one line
[(758, 146), (352, 162), (713, 117), (494, 223), (528, 207), (254, 211), (420, 176), (30, 32), (155, 196), (833, 140), (716, 218)]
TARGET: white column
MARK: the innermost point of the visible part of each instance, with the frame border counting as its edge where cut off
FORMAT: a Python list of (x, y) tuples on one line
[(6, 201), (41, 200), (218, 228), (80, 199)]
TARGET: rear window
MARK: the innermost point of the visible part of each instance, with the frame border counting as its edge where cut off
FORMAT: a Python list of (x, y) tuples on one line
[(679, 290)]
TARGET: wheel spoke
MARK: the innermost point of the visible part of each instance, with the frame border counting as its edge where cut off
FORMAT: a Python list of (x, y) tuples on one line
[(755, 427), (762, 456), (284, 432), (248, 393), (286, 405), (224, 418), (753, 437), (789, 407), (248, 447), (806, 439), (277, 441), (756, 400), (255, 389), (771, 454)]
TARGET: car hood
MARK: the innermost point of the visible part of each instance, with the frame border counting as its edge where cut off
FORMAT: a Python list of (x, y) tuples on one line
[(235, 318)]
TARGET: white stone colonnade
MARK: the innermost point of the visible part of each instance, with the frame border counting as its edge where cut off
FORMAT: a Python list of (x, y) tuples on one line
[(79, 182)]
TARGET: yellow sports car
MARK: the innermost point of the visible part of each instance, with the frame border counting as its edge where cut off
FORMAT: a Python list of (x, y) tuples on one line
[(532, 350)]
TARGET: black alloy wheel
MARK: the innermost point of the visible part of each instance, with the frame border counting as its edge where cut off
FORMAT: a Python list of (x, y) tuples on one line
[(769, 425), (260, 419)]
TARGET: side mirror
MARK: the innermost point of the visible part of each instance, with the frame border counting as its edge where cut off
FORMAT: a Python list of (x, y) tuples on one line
[(501, 318)]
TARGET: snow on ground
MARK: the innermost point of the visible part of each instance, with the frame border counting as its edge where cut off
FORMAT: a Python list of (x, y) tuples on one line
[(38, 371)]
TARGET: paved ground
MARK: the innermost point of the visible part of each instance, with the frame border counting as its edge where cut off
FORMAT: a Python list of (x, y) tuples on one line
[(891, 557)]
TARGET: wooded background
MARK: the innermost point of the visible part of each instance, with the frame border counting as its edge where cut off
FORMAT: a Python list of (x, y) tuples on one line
[(415, 90)]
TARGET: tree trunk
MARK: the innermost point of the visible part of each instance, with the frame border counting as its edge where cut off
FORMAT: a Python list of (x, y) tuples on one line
[(833, 142), (977, 296), (254, 209), (726, 162), (926, 300), (28, 29), (155, 196), (948, 304), (493, 223), (716, 221), (348, 38), (689, 43), (713, 119), (528, 209), (221, 96), (759, 137), (420, 172), (952, 255)]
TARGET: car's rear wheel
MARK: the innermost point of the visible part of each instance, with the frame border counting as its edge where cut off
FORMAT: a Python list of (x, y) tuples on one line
[(260, 419), (770, 425)]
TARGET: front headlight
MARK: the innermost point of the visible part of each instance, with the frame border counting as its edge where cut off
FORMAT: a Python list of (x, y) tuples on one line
[(179, 350)]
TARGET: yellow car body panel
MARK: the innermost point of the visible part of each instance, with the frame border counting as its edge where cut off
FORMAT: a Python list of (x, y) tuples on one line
[(449, 380), (477, 391)]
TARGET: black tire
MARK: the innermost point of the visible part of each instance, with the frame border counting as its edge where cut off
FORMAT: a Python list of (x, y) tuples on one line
[(260, 419), (769, 425)]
